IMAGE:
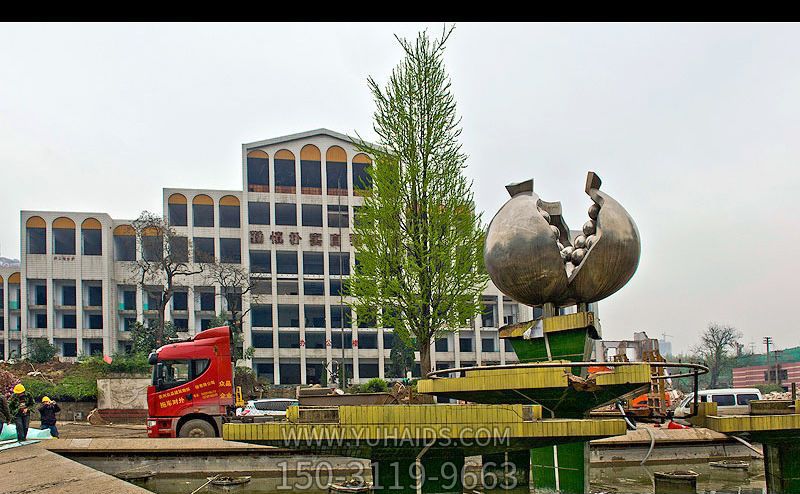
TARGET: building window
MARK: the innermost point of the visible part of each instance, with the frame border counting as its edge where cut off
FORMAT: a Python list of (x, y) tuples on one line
[(207, 301), (40, 295), (361, 178), (69, 321), (41, 321), (337, 313), (229, 216), (337, 335), (284, 175), (258, 213), (179, 249), (95, 321), (338, 217), (312, 214), (230, 250), (368, 341), (288, 316), (287, 287), (202, 211), (487, 345), (314, 288), (177, 214), (260, 261), (285, 214), (315, 339), (315, 316), (124, 247), (289, 340), (489, 314), (64, 241), (261, 316), (336, 287), (260, 287), (92, 237), (69, 349), (152, 247), (181, 324), (37, 240), (127, 323), (258, 171), (336, 177), (313, 263), (262, 339), (180, 301), (128, 300), (339, 263), (205, 324), (440, 345), (286, 262), (204, 249), (367, 371), (68, 295), (465, 344), (310, 177), (95, 296)]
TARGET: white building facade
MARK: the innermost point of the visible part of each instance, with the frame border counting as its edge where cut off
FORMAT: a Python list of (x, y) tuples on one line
[(289, 227)]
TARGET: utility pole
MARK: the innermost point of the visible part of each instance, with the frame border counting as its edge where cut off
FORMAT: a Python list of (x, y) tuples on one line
[(768, 342)]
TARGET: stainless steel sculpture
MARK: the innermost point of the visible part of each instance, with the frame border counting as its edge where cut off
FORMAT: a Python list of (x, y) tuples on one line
[(531, 255)]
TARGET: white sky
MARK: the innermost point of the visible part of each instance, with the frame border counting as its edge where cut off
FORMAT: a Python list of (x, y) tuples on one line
[(693, 128)]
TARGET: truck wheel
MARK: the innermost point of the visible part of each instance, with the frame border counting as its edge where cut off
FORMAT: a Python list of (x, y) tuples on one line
[(196, 428)]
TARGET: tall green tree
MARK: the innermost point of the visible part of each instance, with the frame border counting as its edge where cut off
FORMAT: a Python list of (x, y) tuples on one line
[(419, 238)]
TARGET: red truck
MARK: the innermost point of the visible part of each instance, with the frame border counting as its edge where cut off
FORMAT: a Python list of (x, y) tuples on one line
[(192, 389)]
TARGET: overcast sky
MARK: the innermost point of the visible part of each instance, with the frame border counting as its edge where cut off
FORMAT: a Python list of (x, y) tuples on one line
[(694, 128)]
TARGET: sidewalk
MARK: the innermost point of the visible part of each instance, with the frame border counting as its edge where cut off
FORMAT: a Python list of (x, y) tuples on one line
[(32, 469)]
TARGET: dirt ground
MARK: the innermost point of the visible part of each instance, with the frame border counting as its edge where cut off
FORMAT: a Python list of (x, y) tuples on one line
[(83, 430)]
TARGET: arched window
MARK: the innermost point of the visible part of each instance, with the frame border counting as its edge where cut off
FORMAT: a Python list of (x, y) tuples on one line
[(176, 210), (124, 243), (92, 237), (257, 171), (284, 172), (336, 171), (362, 181), (229, 212), (310, 171), (64, 236), (202, 211), (37, 235)]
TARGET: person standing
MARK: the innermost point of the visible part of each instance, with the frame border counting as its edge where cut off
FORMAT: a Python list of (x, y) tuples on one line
[(20, 406), (48, 412), (5, 413)]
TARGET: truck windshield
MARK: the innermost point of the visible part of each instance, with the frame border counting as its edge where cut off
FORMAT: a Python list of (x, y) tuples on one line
[(171, 373)]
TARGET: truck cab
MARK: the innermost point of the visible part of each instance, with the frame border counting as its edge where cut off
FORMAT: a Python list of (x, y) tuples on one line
[(192, 388)]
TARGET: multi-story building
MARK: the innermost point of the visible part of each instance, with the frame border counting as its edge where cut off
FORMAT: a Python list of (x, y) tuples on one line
[(289, 227)]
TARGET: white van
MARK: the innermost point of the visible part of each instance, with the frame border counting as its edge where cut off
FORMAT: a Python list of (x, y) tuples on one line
[(730, 401)]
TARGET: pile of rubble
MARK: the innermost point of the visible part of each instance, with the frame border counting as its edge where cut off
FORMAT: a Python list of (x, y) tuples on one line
[(776, 395)]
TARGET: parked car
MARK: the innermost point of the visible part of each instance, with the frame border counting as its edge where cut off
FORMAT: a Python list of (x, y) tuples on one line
[(272, 407), (730, 401)]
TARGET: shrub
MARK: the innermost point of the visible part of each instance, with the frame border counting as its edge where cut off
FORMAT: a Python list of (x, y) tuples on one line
[(121, 363), (374, 385), (41, 351)]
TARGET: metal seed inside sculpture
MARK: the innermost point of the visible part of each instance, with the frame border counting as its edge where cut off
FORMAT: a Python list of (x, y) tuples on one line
[(526, 263)]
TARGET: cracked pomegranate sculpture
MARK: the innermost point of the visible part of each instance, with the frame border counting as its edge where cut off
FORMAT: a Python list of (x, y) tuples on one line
[(532, 257)]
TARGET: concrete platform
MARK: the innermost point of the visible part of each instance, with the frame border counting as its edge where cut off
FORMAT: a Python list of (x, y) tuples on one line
[(33, 469)]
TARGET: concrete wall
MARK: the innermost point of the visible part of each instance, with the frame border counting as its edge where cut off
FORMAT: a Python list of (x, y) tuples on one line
[(122, 393), (68, 409)]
